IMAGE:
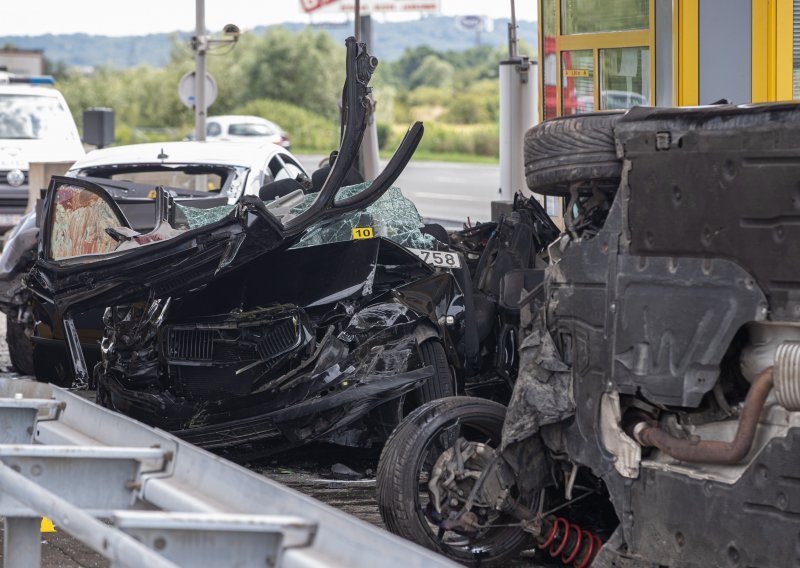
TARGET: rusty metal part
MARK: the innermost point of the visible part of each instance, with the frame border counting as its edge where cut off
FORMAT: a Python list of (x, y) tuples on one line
[(712, 451)]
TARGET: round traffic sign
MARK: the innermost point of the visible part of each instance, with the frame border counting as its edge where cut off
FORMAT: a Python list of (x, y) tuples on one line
[(186, 89)]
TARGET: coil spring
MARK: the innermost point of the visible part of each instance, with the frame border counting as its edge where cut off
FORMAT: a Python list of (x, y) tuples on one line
[(569, 542)]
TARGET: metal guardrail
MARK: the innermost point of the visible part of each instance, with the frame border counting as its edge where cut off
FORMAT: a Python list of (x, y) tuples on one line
[(142, 497)]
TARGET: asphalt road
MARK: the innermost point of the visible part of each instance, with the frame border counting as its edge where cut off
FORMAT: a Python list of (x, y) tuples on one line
[(444, 192)]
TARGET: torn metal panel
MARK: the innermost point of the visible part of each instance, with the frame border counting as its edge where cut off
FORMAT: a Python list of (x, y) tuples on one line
[(543, 390)]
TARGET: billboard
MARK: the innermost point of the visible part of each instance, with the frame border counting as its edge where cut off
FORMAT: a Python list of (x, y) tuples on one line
[(371, 6), (474, 23)]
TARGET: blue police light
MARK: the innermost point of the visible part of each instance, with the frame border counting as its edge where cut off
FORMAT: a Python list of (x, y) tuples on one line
[(43, 80), (32, 79)]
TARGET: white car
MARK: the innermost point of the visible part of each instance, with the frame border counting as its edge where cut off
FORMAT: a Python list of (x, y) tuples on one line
[(245, 128), (35, 126), (189, 170)]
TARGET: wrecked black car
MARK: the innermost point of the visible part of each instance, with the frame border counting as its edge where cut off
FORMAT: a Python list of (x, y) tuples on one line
[(655, 410), (225, 173), (279, 322), (290, 348)]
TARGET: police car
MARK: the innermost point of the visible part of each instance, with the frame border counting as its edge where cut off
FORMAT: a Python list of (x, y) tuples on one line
[(35, 126)]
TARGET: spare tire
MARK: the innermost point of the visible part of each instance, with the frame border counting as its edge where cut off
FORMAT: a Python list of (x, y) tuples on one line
[(572, 149)]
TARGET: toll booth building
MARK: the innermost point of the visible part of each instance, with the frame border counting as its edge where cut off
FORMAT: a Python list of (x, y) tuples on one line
[(615, 54)]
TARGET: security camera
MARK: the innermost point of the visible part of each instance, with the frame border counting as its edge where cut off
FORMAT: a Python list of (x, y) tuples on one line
[(232, 30)]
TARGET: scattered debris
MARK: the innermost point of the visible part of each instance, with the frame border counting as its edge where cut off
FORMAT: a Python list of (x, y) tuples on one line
[(341, 471)]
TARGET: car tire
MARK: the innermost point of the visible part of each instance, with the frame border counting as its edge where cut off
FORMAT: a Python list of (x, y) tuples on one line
[(441, 384), (402, 462), (572, 149), (387, 416), (20, 349)]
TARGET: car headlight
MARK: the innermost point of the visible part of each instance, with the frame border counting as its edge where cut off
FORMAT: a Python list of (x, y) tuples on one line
[(15, 178)]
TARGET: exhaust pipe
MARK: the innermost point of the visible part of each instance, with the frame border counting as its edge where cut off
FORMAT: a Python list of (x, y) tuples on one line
[(712, 451)]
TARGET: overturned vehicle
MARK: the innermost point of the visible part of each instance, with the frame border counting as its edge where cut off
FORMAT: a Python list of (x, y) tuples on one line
[(269, 322), (655, 412)]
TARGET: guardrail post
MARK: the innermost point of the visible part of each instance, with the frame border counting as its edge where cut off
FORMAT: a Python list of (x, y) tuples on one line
[(22, 542)]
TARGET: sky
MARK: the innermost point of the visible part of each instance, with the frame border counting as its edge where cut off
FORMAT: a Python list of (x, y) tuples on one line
[(120, 18)]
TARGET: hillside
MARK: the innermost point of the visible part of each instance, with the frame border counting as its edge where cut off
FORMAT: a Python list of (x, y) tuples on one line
[(390, 38)]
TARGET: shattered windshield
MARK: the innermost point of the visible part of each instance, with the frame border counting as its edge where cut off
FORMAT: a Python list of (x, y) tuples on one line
[(392, 216)]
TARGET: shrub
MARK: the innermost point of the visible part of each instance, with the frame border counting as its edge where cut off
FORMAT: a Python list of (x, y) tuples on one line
[(442, 138), (384, 132)]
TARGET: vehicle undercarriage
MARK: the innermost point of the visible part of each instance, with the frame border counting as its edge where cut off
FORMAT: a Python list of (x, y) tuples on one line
[(657, 363)]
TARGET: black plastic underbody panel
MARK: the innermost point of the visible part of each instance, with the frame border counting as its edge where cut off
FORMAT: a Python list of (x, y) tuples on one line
[(719, 182), (700, 523)]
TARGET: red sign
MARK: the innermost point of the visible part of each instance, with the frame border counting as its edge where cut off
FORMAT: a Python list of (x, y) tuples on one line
[(312, 5)]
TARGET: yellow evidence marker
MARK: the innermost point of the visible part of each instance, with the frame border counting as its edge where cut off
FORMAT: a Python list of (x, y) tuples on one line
[(362, 233), (47, 526)]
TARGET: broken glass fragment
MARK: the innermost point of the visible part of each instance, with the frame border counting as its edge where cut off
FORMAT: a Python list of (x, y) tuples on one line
[(196, 217), (392, 216)]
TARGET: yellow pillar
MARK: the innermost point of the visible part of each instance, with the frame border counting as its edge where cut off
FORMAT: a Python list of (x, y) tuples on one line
[(686, 51), (783, 51), (760, 51), (772, 50)]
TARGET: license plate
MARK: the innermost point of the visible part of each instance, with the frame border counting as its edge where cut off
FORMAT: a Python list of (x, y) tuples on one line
[(9, 219), (438, 258)]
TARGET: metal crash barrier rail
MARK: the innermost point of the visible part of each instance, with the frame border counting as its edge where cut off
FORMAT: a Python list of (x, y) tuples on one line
[(141, 497)]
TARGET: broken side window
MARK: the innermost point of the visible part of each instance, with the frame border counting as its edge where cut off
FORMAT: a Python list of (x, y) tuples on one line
[(80, 218), (392, 216), (197, 217)]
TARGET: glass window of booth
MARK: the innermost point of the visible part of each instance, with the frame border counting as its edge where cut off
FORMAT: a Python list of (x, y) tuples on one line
[(595, 55), (598, 16)]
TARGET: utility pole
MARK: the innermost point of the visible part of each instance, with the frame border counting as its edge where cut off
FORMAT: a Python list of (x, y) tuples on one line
[(368, 153), (200, 45), (202, 97)]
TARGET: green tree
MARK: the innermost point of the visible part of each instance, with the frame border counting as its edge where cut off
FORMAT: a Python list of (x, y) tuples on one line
[(432, 72), (305, 69)]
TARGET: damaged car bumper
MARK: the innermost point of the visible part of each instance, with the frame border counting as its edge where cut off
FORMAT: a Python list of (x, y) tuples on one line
[(256, 419)]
